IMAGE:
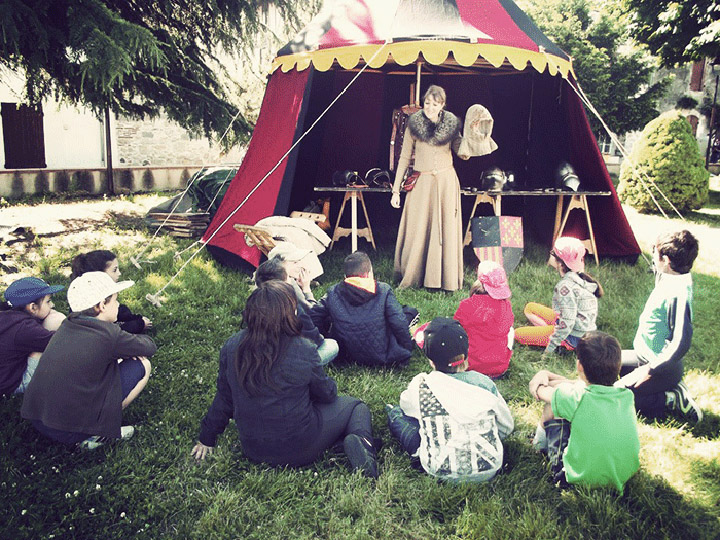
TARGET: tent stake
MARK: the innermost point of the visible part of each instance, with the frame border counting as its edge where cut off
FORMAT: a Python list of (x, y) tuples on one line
[(417, 83)]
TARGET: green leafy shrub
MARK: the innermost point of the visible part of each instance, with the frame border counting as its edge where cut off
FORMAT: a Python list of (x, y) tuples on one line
[(665, 159), (686, 102)]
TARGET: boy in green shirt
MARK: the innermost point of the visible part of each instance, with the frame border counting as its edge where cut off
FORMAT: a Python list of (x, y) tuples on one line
[(588, 427)]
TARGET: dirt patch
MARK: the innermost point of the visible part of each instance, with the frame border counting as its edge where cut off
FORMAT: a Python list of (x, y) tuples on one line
[(62, 227), (648, 227), (29, 233)]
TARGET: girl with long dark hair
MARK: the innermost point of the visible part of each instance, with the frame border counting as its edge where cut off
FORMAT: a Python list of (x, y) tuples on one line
[(285, 407)]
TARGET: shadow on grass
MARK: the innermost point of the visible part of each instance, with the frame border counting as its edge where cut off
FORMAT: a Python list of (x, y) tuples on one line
[(709, 428), (713, 199), (701, 218), (126, 222)]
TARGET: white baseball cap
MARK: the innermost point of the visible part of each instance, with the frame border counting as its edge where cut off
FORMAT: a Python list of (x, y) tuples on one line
[(92, 288)]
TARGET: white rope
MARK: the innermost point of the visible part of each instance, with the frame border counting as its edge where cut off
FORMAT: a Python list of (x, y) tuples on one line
[(155, 298), (179, 253), (232, 172), (136, 260), (637, 173)]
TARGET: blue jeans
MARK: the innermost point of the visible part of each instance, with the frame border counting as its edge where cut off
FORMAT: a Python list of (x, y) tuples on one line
[(32, 365), (557, 432), (328, 351), (405, 429), (650, 395)]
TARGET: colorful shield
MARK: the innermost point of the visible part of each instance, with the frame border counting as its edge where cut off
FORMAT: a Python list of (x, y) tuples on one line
[(499, 239)]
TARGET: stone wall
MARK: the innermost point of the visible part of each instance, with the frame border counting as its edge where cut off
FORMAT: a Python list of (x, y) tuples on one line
[(18, 183), (159, 142)]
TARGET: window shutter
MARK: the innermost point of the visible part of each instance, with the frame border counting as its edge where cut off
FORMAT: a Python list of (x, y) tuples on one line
[(23, 136)]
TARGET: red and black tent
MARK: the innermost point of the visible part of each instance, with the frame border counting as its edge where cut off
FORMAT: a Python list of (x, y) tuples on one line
[(480, 51)]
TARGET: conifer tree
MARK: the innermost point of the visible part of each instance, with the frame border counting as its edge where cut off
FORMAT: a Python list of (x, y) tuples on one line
[(137, 58), (665, 160)]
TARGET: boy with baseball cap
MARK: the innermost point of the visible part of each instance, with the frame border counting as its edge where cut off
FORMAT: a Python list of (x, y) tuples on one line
[(453, 420), (27, 322), (80, 387)]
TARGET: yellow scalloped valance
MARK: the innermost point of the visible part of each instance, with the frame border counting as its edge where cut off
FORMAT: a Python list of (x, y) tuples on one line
[(435, 52)]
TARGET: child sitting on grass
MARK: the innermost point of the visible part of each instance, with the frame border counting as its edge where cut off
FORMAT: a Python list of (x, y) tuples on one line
[(275, 269), (286, 409), (653, 369), (487, 317), (79, 389), (27, 323), (364, 317), (453, 420), (102, 260), (574, 303), (588, 427)]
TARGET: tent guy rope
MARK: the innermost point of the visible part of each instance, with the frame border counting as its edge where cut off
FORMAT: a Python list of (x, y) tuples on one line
[(638, 174), (156, 299), (136, 260), (645, 181)]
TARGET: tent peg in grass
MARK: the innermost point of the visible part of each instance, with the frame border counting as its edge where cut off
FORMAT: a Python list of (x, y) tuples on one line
[(154, 299), (138, 262)]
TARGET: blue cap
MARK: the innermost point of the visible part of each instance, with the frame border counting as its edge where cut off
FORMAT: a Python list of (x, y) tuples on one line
[(26, 290)]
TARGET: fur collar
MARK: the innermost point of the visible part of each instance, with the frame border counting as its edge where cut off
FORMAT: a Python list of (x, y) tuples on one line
[(435, 134)]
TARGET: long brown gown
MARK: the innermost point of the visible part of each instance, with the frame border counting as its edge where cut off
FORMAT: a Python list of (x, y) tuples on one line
[(428, 251)]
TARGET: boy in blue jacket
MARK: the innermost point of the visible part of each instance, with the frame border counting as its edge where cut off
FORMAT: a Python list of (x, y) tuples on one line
[(364, 316)]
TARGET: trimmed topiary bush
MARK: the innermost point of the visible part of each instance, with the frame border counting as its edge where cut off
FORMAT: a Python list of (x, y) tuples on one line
[(666, 155)]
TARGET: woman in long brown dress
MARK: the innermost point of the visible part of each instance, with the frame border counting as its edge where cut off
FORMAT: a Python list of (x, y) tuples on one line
[(428, 251)]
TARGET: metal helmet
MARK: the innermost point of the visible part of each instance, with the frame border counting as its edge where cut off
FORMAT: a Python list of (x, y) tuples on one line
[(346, 178), (492, 179), (566, 178), (378, 178)]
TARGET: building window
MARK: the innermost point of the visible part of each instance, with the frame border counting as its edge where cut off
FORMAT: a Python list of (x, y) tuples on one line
[(23, 136), (605, 144)]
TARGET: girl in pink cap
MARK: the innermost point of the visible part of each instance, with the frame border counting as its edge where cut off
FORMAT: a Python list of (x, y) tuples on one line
[(487, 317), (574, 303)]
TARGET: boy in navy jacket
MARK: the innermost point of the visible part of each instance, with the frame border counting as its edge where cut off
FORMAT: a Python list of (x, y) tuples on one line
[(364, 316)]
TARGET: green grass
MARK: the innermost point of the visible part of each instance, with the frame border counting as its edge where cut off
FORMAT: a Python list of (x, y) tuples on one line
[(149, 487)]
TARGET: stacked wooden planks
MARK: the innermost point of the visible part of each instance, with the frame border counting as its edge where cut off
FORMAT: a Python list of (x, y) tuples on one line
[(184, 225)]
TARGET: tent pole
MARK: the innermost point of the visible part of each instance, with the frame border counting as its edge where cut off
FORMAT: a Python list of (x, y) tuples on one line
[(530, 122), (417, 82)]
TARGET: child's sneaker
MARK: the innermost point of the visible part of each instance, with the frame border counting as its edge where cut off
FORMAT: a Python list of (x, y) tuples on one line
[(91, 443), (679, 400), (361, 455)]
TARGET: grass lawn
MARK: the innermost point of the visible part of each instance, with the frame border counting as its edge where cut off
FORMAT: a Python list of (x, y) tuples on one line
[(149, 487)]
